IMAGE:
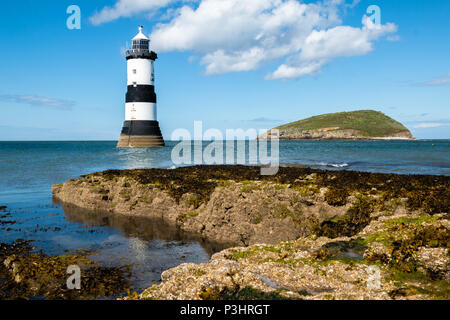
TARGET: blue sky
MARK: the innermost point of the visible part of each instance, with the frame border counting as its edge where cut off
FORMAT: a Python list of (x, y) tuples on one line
[(232, 64)]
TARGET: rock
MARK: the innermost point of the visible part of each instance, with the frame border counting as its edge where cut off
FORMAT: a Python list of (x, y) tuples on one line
[(295, 235), (434, 261), (294, 270), (264, 273), (234, 204)]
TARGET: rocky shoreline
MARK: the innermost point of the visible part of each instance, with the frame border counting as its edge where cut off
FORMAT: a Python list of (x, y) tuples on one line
[(332, 134), (27, 274), (329, 138), (301, 234)]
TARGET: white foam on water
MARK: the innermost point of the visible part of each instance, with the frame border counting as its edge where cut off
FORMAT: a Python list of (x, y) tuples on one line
[(339, 165)]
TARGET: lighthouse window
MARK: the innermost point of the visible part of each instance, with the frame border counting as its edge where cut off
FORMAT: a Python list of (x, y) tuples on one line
[(144, 44), (134, 71), (140, 44)]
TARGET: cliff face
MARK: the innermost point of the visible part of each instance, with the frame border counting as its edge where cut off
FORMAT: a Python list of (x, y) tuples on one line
[(356, 125)]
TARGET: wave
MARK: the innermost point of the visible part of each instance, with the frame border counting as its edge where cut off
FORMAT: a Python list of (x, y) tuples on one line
[(321, 164), (338, 165), (333, 165)]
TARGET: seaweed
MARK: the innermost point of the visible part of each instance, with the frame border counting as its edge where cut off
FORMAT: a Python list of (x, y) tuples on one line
[(336, 196), (25, 274), (428, 193), (356, 219), (423, 236)]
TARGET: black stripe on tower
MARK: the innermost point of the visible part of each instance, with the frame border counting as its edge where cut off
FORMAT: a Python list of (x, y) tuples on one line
[(141, 93), (141, 54), (141, 128)]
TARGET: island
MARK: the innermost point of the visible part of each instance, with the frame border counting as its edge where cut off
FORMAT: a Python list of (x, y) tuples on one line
[(354, 125)]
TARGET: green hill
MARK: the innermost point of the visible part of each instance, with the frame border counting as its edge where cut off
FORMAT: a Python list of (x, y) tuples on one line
[(363, 124)]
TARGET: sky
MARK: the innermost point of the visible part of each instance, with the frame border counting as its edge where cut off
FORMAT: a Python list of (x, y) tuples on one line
[(229, 63)]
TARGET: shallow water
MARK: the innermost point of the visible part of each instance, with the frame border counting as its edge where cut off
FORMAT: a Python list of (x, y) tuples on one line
[(29, 169)]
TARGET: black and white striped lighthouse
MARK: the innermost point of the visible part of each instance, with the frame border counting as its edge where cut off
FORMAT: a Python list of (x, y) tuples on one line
[(141, 127)]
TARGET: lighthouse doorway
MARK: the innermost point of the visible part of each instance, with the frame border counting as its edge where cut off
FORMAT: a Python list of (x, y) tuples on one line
[(133, 112)]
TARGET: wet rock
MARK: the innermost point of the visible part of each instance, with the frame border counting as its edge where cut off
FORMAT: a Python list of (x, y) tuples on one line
[(364, 266), (310, 234), (25, 274)]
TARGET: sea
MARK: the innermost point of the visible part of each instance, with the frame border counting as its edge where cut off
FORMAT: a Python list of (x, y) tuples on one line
[(29, 169)]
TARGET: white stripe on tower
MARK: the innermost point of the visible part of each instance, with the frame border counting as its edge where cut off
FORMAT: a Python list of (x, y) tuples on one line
[(140, 71), (140, 111)]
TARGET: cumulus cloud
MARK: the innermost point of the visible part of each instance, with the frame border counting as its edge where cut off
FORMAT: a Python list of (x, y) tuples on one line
[(291, 72), (236, 35), (39, 101), (320, 47), (440, 81), (127, 8)]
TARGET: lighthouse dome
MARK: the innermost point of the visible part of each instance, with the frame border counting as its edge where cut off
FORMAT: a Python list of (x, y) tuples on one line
[(140, 35)]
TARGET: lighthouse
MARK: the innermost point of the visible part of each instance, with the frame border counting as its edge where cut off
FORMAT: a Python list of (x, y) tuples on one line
[(141, 127)]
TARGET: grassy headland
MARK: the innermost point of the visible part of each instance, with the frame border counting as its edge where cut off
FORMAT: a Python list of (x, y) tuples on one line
[(363, 124)]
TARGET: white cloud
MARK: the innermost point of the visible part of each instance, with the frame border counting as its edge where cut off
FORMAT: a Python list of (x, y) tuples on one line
[(234, 35), (40, 101), (426, 125), (221, 62), (440, 81), (127, 8), (237, 35), (320, 47), (343, 41), (291, 72)]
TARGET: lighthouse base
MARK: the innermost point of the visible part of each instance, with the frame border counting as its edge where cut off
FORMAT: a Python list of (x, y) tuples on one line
[(140, 134)]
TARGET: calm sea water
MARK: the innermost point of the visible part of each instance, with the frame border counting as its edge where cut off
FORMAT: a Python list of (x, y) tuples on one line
[(29, 169)]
